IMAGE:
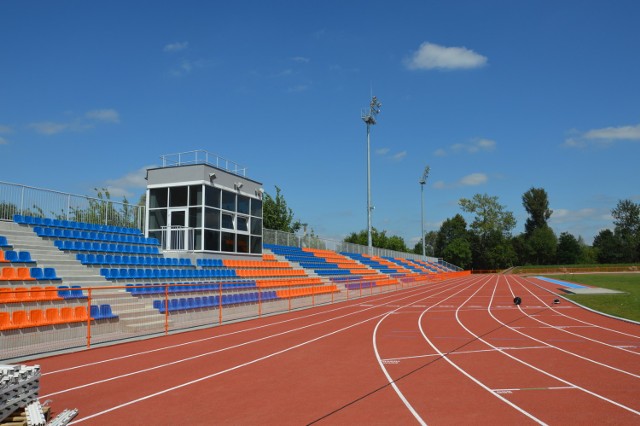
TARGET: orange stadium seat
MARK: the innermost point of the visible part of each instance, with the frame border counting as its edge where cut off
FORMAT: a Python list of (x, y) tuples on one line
[(5, 321), (37, 317), (20, 319), (53, 316), (9, 274)]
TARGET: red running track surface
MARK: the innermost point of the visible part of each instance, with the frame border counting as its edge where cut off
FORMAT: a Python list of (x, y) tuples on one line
[(452, 352)]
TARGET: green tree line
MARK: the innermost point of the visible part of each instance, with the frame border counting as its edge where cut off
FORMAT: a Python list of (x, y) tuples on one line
[(488, 242)]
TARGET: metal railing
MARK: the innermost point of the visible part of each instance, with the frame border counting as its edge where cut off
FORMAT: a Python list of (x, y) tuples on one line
[(197, 305), (202, 157), (30, 201), (177, 238), (288, 239)]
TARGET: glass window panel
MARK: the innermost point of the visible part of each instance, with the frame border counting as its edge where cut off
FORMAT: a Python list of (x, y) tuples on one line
[(243, 204), (158, 197), (242, 224), (178, 196), (195, 195), (197, 239), (243, 243), (227, 221), (256, 207), (212, 218), (228, 241), (195, 217), (212, 196), (156, 234), (256, 244), (211, 240), (256, 226), (229, 201), (157, 218)]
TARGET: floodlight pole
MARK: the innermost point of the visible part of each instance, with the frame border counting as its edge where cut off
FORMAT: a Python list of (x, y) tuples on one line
[(422, 181), (369, 118)]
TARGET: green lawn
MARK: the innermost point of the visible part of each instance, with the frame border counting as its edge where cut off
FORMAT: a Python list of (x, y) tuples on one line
[(625, 305)]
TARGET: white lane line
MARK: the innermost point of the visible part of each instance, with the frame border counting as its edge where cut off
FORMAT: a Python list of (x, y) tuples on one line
[(191, 342), (601, 364), (546, 372), (564, 328), (472, 378), (575, 305), (203, 378), (391, 381), (506, 348), (200, 355)]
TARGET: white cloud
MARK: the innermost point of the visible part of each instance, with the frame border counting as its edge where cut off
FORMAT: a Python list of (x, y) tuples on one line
[(49, 127), (399, 156), (604, 137), (5, 129), (129, 184), (3, 141), (186, 66), (78, 123), (472, 147), (301, 59), (106, 115), (474, 179), (432, 56), (382, 151), (176, 47), (615, 133)]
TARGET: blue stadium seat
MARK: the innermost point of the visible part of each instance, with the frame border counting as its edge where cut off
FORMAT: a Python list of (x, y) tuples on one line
[(76, 292), (50, 274), (105, 311), (64, 292), (94, 312), (37, 273)]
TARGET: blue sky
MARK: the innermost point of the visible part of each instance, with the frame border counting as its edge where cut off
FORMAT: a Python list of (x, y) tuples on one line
[(495, 96)]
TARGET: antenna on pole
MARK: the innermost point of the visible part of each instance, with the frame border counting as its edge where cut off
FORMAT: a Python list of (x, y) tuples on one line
[(369, 117)]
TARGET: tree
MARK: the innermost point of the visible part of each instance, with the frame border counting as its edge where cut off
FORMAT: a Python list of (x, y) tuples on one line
[(626, 217), (277, 215), (569, 249), (490, 232), (542, 244), (536, 203), (430, 240), (458, 252), (450, 230), (490, 216), (379, 239), (607, 247)]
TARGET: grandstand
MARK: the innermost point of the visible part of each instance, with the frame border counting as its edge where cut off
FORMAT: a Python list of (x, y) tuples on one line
[(75, 280)]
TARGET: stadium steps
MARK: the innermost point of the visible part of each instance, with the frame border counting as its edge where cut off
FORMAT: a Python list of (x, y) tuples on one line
[(133, 313)]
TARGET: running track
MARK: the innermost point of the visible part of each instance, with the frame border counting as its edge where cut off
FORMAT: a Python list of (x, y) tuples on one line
[(451, 352)]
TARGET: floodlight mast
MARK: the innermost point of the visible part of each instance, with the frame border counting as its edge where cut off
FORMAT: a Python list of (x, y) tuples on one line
[(422, 181), (369, 117)]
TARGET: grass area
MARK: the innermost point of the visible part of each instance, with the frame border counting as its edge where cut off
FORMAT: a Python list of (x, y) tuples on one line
[(595, 267), (626, 305)]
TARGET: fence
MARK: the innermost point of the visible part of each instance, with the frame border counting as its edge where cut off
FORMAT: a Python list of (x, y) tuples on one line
[(288, 239), (29, 201), (40, 320)]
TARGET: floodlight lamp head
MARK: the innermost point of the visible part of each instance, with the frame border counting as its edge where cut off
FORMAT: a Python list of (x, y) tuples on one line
[(212, 176), (238, 185), (425, 175)]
